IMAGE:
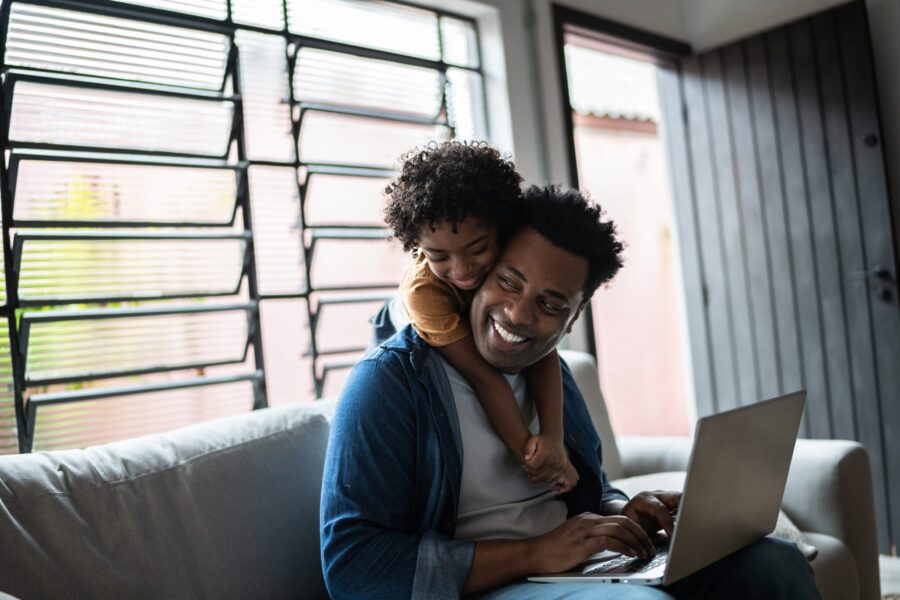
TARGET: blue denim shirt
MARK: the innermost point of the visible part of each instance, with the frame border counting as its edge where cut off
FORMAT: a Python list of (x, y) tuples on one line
[(390, 490)]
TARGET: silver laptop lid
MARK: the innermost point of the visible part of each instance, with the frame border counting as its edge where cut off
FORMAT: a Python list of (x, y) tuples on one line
[(735, 483)]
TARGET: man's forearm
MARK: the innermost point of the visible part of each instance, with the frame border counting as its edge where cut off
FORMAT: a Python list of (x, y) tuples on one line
[(499, 561)]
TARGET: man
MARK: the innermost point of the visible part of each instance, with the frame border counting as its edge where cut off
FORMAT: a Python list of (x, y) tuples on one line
[(418, 498)]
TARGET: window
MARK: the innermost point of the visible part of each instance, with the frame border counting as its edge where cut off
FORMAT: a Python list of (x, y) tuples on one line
[(192, 200), (619, 151)]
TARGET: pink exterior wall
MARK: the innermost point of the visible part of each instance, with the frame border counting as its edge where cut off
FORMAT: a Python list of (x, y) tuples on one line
[(637, 319)]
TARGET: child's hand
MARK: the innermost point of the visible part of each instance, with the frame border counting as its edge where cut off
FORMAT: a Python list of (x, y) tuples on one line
[(545, 460), (567, 479)]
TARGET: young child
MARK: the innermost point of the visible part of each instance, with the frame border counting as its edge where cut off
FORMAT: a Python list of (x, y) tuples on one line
[(451, 207)]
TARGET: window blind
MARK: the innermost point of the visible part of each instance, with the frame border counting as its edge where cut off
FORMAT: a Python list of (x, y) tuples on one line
[(185, 179)]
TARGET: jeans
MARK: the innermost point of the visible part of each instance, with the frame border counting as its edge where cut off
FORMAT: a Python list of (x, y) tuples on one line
[(768, 569)]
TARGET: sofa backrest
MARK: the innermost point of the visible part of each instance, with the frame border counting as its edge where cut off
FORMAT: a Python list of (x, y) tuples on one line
[(226, 509)]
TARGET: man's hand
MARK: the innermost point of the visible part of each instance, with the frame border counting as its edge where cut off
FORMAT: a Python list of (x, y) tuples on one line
[(653, 510), (573, 542)]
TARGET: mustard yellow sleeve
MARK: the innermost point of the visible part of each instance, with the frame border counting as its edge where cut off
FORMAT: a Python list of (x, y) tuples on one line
[(434, 311)]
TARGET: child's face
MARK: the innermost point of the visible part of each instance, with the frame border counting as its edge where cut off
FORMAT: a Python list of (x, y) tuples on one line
[(463, 258)]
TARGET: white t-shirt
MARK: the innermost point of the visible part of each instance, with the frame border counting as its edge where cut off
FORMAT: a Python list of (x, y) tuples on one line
[(497, 500)]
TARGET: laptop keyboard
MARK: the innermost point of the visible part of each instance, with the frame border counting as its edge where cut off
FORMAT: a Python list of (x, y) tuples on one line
[(630, 564)]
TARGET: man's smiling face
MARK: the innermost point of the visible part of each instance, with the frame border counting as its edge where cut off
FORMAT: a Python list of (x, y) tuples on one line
[(528, 302)]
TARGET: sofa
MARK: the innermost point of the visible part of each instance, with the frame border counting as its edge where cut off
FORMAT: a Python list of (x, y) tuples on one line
[(229, 508)]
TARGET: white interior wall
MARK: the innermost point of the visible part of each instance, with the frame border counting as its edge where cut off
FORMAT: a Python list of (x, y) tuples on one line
[(712, 23)]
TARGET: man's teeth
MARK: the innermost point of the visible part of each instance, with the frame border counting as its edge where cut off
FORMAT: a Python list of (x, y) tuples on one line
[(508, 336)]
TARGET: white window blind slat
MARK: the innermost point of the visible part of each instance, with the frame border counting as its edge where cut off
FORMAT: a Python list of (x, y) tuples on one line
[(56, 190), (107, 165)]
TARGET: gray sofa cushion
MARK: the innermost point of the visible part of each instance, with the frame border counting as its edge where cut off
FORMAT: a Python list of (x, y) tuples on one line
[(226, 509)]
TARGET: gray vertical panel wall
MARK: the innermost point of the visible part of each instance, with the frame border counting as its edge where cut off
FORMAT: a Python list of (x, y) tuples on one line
[(785, 207), (800, 251), (722, 364), (783, 320), (720, 127)]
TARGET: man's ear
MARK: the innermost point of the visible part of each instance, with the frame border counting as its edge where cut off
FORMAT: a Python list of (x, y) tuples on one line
[(575, 316)]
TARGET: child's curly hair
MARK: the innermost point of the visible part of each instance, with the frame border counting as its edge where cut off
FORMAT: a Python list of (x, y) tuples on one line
[(451, 181)]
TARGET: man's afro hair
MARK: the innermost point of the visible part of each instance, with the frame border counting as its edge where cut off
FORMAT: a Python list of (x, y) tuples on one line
[(451, 181), (571, 221)]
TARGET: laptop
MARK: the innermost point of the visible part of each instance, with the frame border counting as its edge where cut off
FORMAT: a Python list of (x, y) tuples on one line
[(732, 494)]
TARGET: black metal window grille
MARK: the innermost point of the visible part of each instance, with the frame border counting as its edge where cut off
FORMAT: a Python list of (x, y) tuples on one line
[(139, 278)]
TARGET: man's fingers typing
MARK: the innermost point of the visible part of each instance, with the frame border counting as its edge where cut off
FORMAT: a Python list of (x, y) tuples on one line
[(611, 543), (637, 533), (653, 510), (670, 499), (610, 532), (592, 528), (579, 537), (660, 512)]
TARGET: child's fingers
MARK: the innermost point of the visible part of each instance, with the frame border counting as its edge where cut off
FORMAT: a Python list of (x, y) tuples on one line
[(564, 488), (568, 477), (537, 460), (564, 484), (563, 478), (543, 474), (539, 469), (532, 447)]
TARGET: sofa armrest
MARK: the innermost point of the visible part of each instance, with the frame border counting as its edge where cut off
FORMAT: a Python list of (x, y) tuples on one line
[(829, 490), (642, 455)]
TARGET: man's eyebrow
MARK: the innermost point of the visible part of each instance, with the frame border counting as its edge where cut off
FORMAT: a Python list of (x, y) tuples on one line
[(549, 292), (477, 240), (558, 295), (517, 273)]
